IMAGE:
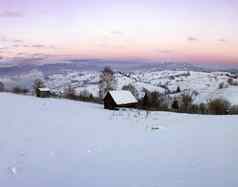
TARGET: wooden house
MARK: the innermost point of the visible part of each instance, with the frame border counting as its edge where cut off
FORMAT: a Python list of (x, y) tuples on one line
[(43, 92), (122, 98)]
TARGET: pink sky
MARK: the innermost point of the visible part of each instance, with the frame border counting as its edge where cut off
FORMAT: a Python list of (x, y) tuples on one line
[(163, 30)]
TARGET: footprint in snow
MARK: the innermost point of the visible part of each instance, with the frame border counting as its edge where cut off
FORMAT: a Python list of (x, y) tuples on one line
[(13, 171), (52, 154)]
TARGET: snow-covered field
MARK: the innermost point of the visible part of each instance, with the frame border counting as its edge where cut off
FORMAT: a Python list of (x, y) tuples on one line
[(50, 142)]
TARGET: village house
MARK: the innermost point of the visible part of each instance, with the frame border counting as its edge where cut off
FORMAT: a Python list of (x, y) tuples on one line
[(43, 92), (122, 98)]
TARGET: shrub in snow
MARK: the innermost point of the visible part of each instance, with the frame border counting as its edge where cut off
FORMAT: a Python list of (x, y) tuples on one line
[(233, 109), (69, 93), (232, 82), (86, 96), (218, 106), (194, 109), (171, 77), (223, 85), (195, 93), (85, 93), (19, 90), (178, 90), (155, 101), (203, 108), (187, 74), (145, 102), (186, 102)]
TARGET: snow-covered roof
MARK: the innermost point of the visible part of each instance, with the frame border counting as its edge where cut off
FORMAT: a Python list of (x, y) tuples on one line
[(44, 89), (123, 97)]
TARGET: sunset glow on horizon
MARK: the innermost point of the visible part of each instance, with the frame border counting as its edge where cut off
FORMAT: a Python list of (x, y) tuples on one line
[(163, 30)]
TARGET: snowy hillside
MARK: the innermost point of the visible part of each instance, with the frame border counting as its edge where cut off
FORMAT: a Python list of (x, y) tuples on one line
[(206, 85), (50, 142)]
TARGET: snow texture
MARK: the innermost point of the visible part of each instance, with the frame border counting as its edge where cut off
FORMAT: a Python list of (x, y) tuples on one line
[(61, 143), (123, 97)]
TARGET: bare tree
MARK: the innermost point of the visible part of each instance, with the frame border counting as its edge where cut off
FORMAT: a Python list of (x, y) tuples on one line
[(38, 83), (69, 93), (107, 81), (203, 108), (187, 101), (155, 101), (218, 106)]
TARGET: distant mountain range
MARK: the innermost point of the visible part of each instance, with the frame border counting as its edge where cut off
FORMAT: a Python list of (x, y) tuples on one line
[(98, 64)]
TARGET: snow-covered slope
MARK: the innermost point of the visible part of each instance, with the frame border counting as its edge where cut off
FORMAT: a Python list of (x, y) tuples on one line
[(50, 142), (206, 85)]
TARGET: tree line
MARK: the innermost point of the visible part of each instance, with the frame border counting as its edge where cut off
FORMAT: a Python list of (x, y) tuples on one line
[(151, 101)]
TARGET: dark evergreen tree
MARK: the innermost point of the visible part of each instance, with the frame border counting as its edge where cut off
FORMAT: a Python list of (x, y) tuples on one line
[(175, 105)]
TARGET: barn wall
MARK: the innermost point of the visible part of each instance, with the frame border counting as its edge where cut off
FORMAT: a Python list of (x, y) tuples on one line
[(44, 94), (109, 102), (130, 105)]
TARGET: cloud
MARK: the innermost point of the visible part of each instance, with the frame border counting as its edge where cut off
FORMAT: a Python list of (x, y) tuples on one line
[(117, 32), (29, 58), (11, 14), (17, 41), (39, 46), (109, 45), (43, 46), (21, 54), (1, 57), (10, 41), (25, 45), (3, 39), (16, 46), (52, 47), (4, 48), (22, 44), (164, 51), (221, 40), (192, 39), (83, 59)]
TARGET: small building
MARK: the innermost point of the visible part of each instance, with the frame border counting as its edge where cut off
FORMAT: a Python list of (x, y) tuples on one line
[(122, 98), (43, 92)]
